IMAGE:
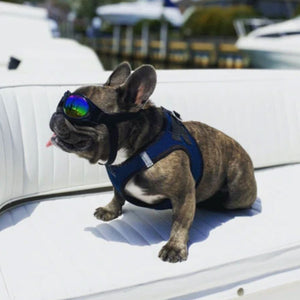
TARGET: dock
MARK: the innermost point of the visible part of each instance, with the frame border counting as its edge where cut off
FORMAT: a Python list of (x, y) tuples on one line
[(197, 54)]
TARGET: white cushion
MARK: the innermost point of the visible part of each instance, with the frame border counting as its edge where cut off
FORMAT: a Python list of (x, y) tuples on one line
[(259, 109), (28, 168), (56, 249)]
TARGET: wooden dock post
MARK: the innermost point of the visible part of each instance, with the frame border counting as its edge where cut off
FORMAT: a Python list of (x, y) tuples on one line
[(145, 39), (163, 39), (129, 40), (116, 39)]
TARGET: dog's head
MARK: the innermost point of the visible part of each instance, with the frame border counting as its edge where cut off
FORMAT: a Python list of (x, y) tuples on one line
[(122, 93)]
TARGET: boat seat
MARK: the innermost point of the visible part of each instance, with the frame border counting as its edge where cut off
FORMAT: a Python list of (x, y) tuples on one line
[(52, 247)]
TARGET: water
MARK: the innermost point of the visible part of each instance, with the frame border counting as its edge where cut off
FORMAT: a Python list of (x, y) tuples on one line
[(109, 62)]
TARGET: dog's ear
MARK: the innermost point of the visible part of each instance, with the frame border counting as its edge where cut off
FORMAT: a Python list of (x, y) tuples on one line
[(119, 75), (139, 86)]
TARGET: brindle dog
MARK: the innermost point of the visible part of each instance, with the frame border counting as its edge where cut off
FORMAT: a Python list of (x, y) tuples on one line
[(228, 177)]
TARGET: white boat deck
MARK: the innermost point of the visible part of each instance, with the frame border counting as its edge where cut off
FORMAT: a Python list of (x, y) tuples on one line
[(56, 249)]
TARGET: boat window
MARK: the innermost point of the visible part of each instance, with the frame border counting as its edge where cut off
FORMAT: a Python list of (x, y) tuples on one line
[(274, 35)]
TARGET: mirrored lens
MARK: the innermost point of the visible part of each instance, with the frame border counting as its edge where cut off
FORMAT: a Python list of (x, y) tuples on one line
[(76, 106)]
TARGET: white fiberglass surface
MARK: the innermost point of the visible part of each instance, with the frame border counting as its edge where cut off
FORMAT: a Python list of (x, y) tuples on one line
[(56, 249)]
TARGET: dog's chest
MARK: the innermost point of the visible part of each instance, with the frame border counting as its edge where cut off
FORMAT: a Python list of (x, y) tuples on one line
[(133, 189), (137, 192)]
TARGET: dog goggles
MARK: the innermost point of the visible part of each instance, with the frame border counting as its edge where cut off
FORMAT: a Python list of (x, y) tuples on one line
[(80, 110)]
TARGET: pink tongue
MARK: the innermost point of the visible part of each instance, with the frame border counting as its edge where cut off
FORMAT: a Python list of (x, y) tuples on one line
[(49, 143)]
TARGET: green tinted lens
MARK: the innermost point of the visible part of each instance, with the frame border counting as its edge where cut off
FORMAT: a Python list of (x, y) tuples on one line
[(76, 106)]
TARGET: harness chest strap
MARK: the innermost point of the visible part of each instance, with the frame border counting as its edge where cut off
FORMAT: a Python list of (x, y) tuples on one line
[(174, 137)]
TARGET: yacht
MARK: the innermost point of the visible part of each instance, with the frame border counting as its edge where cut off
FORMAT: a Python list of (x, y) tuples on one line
[(29, 43), (275, 46), (133, 12)]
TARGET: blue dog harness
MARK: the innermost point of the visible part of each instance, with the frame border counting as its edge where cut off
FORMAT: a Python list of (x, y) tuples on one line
[(173, 137)]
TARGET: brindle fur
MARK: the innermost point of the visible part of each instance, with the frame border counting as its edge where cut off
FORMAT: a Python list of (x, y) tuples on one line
[(228, 175)]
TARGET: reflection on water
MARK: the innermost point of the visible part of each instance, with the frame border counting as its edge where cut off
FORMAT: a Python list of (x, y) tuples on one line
[(109, 62), (179, 54)]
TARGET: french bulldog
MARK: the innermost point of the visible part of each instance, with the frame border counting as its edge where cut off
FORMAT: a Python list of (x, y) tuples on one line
[(227, 181)]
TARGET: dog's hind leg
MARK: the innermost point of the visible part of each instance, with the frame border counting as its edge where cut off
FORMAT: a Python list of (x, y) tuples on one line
[(215, 202), (241, 185)]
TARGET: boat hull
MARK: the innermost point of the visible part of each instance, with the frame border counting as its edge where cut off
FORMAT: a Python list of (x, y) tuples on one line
[(273, 60)]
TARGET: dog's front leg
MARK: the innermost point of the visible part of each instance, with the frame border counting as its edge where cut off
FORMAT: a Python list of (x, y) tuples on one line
[(112, 210), (183, 215)]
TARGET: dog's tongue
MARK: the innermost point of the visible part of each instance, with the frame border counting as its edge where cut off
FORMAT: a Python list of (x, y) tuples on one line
[(49, 143)]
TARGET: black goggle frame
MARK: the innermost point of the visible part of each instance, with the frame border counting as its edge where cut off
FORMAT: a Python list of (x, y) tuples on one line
[(96, 116)]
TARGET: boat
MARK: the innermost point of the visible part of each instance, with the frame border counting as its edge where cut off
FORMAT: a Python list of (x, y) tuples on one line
[(275, 46), (29, 43), (52, 247), (133, 12)]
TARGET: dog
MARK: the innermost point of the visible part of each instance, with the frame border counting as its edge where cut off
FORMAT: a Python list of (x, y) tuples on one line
[(227, 175)]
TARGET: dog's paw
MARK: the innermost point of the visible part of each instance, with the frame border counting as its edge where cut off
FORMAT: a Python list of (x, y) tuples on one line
[(104, 214), (173, 253)]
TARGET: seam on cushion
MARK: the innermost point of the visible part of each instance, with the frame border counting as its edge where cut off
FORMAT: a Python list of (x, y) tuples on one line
[(138, 233), (24, 170), (111, 227), (160, 82), (69, 170), (9, 187), (203, 224), (56, 193), (55, 166), (47, 85), (100, 233), (149, 224), (4, 149), (21, 143), (4, 284), (84, 173), (32, 97), (4, 160), (51, 183), (13, 222)]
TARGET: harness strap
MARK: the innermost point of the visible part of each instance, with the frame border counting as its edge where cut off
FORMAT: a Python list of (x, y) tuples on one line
[(111, 121), (174, 137), (113, 143)]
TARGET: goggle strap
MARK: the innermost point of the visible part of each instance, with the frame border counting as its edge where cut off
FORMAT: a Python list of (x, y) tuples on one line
[(119, 117), (113, 141), (110, 120)]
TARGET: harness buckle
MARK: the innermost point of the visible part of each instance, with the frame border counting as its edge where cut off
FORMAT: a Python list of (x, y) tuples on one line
[(176, 115)]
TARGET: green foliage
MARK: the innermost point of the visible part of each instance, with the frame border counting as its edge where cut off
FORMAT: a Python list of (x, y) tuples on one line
[(107, 28), (154, 26), (297, 11), (14, 1), (216, 20), (87, 9)]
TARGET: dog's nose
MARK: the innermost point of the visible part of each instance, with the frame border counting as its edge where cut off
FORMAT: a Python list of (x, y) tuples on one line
[(58, 125)]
